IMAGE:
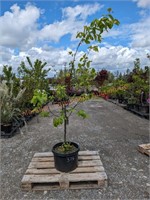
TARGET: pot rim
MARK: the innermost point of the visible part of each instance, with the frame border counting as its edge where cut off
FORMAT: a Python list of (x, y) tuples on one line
[(65, 154)]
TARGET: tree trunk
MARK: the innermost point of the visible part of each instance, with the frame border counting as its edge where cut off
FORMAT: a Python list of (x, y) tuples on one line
[(65, 124)]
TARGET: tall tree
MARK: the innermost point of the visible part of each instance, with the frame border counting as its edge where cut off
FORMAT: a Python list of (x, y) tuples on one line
[(101, 77), (13, 83), (34, 77)]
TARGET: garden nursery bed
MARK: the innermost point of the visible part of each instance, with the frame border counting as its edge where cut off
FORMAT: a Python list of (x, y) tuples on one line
[(15, 127), (134, 109)]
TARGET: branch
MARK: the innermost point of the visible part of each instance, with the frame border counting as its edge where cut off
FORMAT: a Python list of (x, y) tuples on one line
[(76, 51), (74, 108), (52, 112)]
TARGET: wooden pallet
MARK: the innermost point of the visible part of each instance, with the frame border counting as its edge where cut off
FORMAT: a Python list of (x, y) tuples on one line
[(42, 175), (144, 148)]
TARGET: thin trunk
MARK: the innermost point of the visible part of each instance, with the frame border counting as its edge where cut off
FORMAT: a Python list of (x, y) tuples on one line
[(65, 124)]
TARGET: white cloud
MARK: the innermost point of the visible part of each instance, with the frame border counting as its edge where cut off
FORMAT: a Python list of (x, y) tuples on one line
[(53, 56), (112, 33), (137, 33), (73, 20), (143, 3), (82, 12), (110, 57), (118, 57), (53, 32), (140, 33), (18, 27), (5, 54)]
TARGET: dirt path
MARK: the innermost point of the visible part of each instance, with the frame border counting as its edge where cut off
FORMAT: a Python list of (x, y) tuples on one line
[(111, 130)]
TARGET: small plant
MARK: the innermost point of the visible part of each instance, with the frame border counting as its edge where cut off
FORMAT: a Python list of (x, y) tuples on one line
[(132, 100), (9, 104), (39, 98), (65, 148)]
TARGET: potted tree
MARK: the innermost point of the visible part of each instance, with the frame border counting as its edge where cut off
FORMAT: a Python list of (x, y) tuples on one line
[(81, 73)]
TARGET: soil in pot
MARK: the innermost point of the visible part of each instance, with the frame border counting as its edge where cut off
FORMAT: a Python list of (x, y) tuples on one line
[(68, 160)]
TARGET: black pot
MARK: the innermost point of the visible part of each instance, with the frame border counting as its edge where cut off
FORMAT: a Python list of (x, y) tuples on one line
[(136, 107), (120, 100), (7, 128), (65, 162), (144, 108), (130, 106)]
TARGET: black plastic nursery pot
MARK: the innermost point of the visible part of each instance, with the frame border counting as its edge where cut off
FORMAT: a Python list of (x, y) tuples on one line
[(7, 131), (130, 106), (65, 162), (7, 128), (144, 108)]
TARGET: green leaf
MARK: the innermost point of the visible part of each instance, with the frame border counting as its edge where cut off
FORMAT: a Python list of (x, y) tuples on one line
[(39, 98), (109, 10), (87, 41), (95, 48), (88, 63), (82, 114), (116, 22), (58, 121), (111, 17), (92, 23), (44, 114), (85, 28)]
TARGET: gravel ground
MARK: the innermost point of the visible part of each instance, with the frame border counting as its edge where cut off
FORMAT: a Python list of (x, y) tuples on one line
[(110, 129)]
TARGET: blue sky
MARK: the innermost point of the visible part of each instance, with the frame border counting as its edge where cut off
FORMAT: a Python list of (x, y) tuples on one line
[(46, 30)]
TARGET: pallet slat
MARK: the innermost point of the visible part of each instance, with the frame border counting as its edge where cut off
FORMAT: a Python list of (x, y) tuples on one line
[(77, 170), (144, 148), (71, 177), (42, 175), (47, 154), (51, 158), (45, 165)]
